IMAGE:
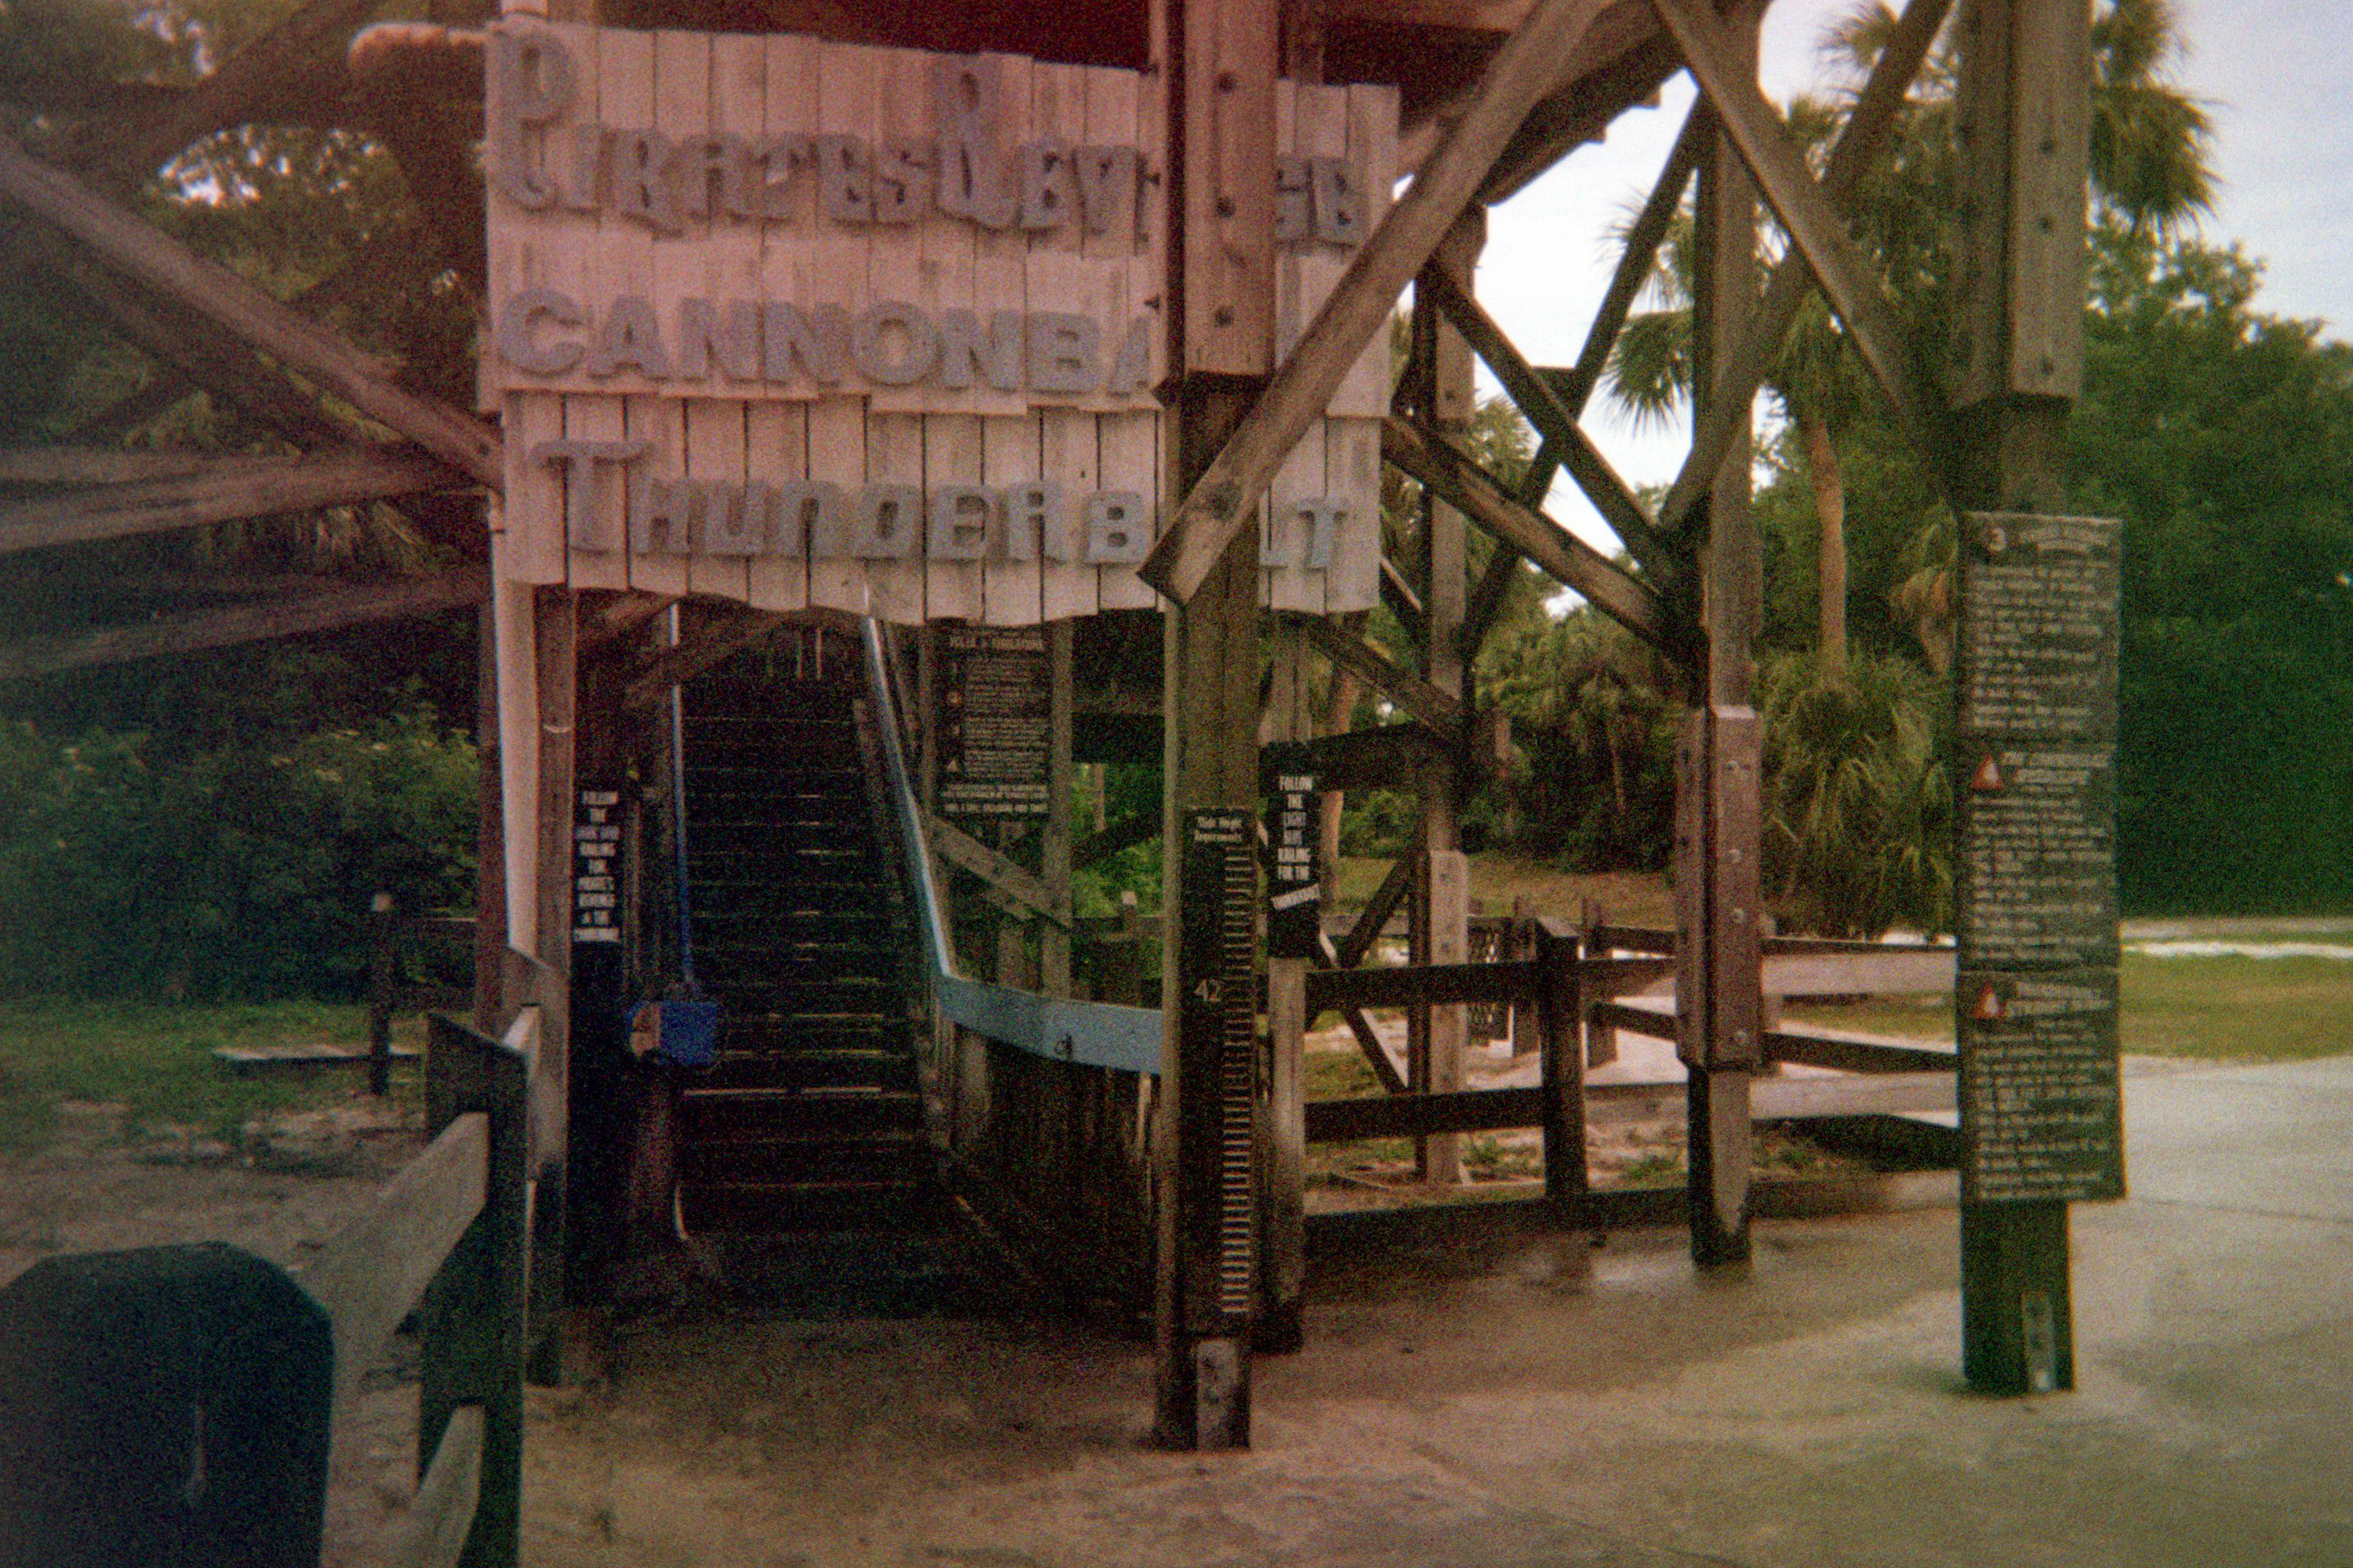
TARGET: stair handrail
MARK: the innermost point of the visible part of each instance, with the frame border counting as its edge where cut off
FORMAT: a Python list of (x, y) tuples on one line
[(1098, 1034)]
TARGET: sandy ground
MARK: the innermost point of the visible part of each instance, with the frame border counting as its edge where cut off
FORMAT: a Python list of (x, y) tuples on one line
[(297, 1182)]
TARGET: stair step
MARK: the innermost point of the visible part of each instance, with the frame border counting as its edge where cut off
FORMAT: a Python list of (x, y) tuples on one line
[(872, 1070), (770, 1209), (720, 1115), (805, 1162)]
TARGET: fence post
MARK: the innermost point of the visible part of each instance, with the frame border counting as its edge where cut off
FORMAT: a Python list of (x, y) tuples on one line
[(473, 1311), (1560, 1010), (383, 977)]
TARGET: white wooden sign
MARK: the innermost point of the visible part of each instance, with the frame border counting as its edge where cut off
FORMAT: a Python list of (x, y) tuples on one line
[(798, 323)]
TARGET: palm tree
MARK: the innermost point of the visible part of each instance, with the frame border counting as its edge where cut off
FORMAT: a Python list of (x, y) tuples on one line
[(2149, 171)]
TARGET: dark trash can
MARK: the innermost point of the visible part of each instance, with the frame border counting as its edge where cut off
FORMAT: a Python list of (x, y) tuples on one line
[(167, 1407)]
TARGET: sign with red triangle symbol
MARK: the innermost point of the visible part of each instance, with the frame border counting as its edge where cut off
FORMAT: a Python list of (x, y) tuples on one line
[(1988, 1008), (1988, 778)]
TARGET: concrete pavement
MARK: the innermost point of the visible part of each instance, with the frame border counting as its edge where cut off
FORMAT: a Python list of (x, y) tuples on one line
[(1540, 1400)]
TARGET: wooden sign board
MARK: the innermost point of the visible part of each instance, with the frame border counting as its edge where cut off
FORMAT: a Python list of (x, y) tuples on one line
[(2035, 1002), (798, 323), (1295, 914)]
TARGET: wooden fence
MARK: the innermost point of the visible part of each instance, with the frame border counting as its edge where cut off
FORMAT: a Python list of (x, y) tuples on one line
[(1581, 987), (449, 1232)]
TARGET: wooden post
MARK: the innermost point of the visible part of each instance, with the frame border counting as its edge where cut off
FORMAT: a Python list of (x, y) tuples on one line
[(490, 826), (1561, 1004), (1718, 806), (1438, 919), (556, 611), (382, 979), (2024, 113), (1219, 56), (1054, 854), (473, 1313)]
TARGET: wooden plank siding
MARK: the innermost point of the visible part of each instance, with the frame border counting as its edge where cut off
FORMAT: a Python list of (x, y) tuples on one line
[(779, 428)]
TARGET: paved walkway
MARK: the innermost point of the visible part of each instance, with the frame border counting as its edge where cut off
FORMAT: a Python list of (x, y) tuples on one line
[(1553, 1402)]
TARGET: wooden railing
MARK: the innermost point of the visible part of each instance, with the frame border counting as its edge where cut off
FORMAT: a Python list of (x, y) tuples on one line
[(1581, 987), (449, 1231)]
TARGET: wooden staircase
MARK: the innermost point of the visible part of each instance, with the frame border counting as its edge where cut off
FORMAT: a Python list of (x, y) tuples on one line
[(812, 1117)]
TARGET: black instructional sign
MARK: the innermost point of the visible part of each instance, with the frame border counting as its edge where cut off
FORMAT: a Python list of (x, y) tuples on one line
[(2037, 648), (2042, 1105), (1294, 917), (596, 868), (2038, 867), (2035, 668), (994, 708)]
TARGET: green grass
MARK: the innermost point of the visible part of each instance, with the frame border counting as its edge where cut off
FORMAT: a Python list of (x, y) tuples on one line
[(2212, 1009), (155, 1061)]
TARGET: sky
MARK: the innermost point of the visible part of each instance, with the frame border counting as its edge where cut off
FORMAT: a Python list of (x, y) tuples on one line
[(2275, 75)]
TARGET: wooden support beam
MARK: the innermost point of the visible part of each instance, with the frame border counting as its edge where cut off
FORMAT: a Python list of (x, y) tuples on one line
[(1636, 263), (709, 644), (1867, 129), (1563, 556), (1717, 787), (1000, 871), (1097, 848), (1403, 602), (1440, 711), (1223, 501), (154, 260), (292, 616), (1777, 164), (1378, 908), (618, 621), (175, 337), (204, 492), (1610, 495), (1385, 757), (2023, 110)]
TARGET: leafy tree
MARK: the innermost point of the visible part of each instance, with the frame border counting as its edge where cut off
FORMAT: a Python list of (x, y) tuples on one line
[(2149, 171)]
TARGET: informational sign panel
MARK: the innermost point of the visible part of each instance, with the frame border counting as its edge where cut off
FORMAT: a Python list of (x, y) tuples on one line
[(2036, 997), (801, 323), (2038, 878), (995, 711), (2037, 653), (1294, 912), (2041, 1106), (596, 860)]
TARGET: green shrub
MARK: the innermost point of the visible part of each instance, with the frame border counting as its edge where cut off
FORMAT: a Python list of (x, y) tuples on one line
[(238, 871), (1858, 807)]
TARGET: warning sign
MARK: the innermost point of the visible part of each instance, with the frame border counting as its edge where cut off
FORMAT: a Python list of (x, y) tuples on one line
[(2037, 648), (2038, 863), (2041, 1103)]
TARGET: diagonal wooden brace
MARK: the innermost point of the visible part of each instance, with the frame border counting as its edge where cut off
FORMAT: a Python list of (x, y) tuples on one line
[(1222, 503), (1867, 130), (153, 260), (1470, 490), (1434, 708), (1610, 495), (1778, 166)]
